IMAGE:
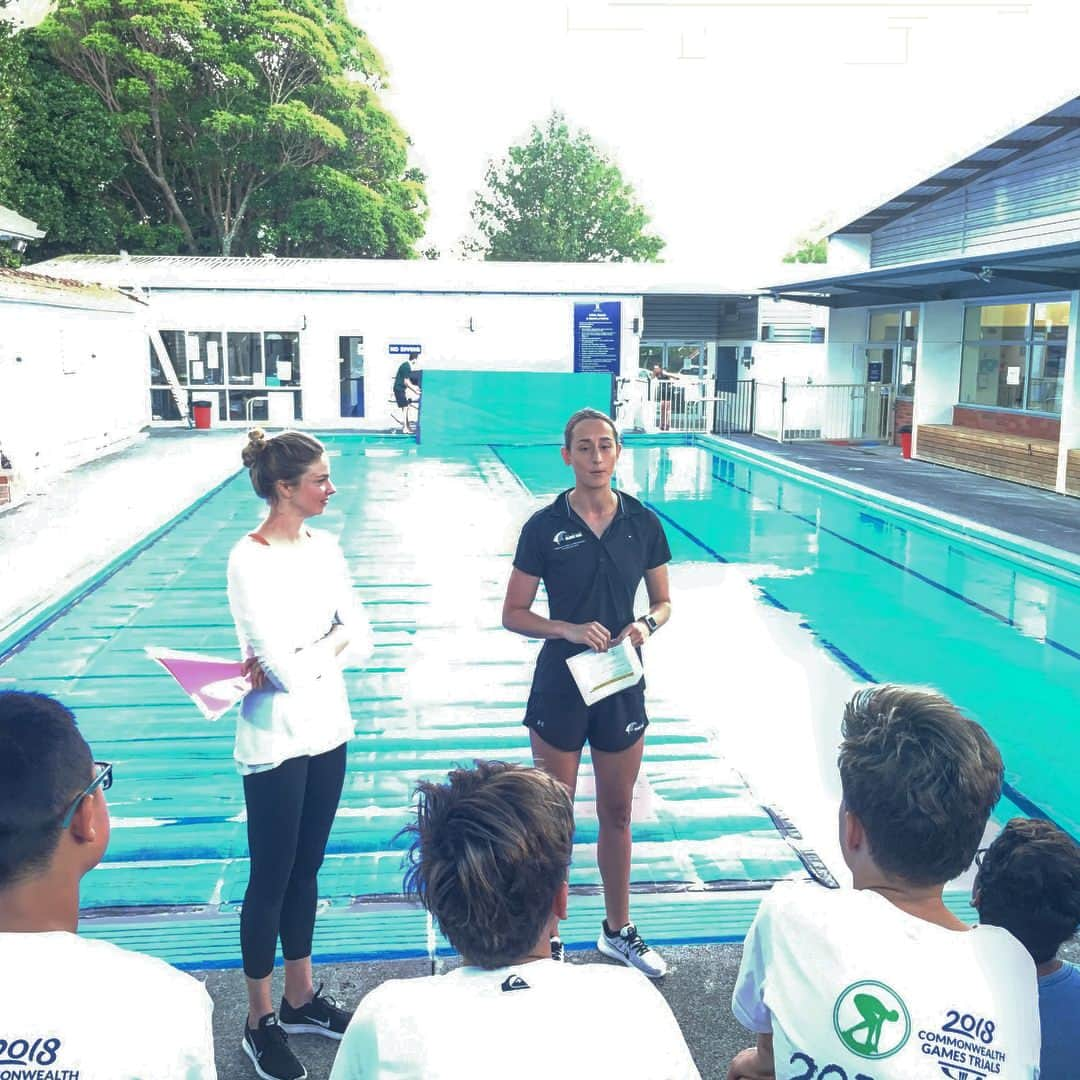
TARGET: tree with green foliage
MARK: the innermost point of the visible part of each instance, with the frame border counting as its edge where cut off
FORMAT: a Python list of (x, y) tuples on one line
[(810, 248), (558, 198), (246, 127)]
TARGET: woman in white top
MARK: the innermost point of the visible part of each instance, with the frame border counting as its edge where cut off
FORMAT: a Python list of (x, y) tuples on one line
[(291, 599)]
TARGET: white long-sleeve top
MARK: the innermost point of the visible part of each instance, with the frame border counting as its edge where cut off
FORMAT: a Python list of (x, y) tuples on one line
[(285, 599)]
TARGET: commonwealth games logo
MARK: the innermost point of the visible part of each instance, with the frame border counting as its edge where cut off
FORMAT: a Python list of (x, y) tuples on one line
[(871, 1020)]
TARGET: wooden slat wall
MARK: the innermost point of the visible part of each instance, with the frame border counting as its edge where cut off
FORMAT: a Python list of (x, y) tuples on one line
[(1008, 457), (1072, 473)]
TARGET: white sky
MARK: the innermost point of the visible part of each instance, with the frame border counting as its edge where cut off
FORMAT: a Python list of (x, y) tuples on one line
[(739, 124)]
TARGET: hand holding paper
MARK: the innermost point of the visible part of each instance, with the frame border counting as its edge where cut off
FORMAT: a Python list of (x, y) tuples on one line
[(600, 674)]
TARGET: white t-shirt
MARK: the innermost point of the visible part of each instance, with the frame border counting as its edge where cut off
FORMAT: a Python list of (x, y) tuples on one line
[(87, 1008), (285, 598), (538, 1020), (843, 978)]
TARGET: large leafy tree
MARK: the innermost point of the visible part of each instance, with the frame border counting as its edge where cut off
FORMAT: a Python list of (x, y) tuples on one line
[(558, 198), (239, 117)]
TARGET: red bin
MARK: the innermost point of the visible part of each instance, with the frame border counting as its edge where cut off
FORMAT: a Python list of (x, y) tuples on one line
[(202, 411), (905, 443)]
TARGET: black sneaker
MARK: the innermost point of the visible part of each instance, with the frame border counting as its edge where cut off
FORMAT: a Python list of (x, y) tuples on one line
[(320, 1016), (558, 950), (268, 1047)]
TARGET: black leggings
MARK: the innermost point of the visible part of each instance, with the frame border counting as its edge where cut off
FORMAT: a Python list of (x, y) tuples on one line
[(289, 813)]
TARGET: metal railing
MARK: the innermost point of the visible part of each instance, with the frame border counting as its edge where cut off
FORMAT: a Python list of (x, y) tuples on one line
[(805, 412)]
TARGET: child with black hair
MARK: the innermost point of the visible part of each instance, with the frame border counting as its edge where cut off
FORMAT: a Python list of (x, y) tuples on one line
[(1029, 883)]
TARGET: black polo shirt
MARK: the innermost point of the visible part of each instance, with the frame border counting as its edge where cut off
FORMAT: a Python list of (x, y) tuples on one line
[(588, 578)]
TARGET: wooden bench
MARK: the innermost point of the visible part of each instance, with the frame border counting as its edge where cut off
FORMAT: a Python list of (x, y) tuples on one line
[(1072, 473), (991, 453), (5, 487)]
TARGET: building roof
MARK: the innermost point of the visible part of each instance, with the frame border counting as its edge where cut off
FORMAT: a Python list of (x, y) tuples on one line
[(18, 227), (1053, 125), (40, 288), (1034, 272), (391, 275)]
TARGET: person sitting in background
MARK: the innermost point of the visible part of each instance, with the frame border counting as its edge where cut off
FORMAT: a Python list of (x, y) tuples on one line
[(69, 1005), (489, 860), (1029, 883), (883, 980)]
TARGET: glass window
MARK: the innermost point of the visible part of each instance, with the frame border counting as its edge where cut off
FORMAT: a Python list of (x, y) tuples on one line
[(245, 359), (891, 351), (1014, 356), (174, 346), (282, 352), (884, 325), (207, 366)]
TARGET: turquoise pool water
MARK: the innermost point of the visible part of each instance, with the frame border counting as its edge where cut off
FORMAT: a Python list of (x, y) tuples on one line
[(429, 541)]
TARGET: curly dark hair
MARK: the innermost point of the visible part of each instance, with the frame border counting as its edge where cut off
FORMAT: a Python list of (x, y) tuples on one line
[(921, 777), (1029, 883), (491, 848)]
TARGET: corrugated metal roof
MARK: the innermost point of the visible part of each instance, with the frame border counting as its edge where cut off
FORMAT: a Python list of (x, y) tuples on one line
[(23, 285), (390, 275), (1045, 129), (12, 224)]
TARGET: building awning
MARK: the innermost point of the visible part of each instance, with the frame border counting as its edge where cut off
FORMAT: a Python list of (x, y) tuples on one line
[(17, 227), (1034, 271)]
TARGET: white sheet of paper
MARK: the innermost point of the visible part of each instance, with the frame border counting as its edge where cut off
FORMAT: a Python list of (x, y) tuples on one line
[(213, 361), (284, 370), (1012, 376), (600, 674), (197, 372)]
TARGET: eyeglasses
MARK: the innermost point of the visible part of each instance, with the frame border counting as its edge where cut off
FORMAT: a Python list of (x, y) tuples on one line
[(103, 780), (980, 855)]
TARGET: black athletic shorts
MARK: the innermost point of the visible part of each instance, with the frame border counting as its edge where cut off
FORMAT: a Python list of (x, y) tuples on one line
[(400, 397), (566, 722)]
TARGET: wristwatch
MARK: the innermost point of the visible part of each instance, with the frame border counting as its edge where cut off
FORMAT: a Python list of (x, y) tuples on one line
[(650, 622)]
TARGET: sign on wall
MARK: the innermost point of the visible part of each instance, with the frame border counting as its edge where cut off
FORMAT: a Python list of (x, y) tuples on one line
[(597, 336), (873, 371), (405, 350)]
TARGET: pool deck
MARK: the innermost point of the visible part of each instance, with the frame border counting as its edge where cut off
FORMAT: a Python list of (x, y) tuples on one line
[(1042, 516), (93, 514)]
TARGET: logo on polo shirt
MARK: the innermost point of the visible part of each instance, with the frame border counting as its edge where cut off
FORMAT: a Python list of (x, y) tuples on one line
[(871, 1020), (564, 540), (29, 1052), (514, 982)]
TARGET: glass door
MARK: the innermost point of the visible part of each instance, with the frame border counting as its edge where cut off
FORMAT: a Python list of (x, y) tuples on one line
[(351, 356)]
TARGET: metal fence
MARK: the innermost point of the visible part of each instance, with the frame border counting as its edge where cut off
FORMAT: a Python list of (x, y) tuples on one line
[(806, 412)]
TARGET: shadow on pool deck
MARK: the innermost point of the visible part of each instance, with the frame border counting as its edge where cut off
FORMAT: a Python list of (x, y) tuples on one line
[(1042, 516)]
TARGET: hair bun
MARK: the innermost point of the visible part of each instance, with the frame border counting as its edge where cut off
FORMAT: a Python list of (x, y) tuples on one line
[(256, 444)]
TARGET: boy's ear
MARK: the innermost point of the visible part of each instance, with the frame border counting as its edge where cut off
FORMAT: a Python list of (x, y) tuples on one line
[(854, 833)]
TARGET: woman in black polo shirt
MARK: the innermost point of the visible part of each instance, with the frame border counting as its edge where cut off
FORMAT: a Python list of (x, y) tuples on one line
[(591, 547)]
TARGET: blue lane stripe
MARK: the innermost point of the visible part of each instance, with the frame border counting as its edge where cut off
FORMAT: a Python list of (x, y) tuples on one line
[(940, 586), (847, 661), (22, 637), (1029, 807)]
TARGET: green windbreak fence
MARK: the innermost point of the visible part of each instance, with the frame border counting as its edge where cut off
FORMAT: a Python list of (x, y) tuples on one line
[(469, 408)]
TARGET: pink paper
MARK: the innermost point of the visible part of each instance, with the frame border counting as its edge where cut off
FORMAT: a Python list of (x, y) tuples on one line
[(213, 684)]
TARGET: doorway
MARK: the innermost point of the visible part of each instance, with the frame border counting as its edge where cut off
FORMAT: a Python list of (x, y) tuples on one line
[(351, 356)]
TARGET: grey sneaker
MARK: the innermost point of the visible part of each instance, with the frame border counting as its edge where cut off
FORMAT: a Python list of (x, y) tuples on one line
[(632, 949)]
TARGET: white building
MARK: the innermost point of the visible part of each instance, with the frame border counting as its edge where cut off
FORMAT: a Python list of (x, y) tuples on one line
[(960, 298), (319, 340)]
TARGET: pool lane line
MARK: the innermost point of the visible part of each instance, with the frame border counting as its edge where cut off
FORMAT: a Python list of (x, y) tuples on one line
[(493, 447), (19, 639), (925, 579), (1029, 807)]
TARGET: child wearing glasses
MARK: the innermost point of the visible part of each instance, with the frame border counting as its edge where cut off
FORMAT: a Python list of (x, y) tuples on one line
[(69, 1005), (291, 599), (1029, 883)]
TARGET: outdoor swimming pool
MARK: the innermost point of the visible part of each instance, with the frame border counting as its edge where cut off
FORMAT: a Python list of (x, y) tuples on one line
[(429, 540)]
